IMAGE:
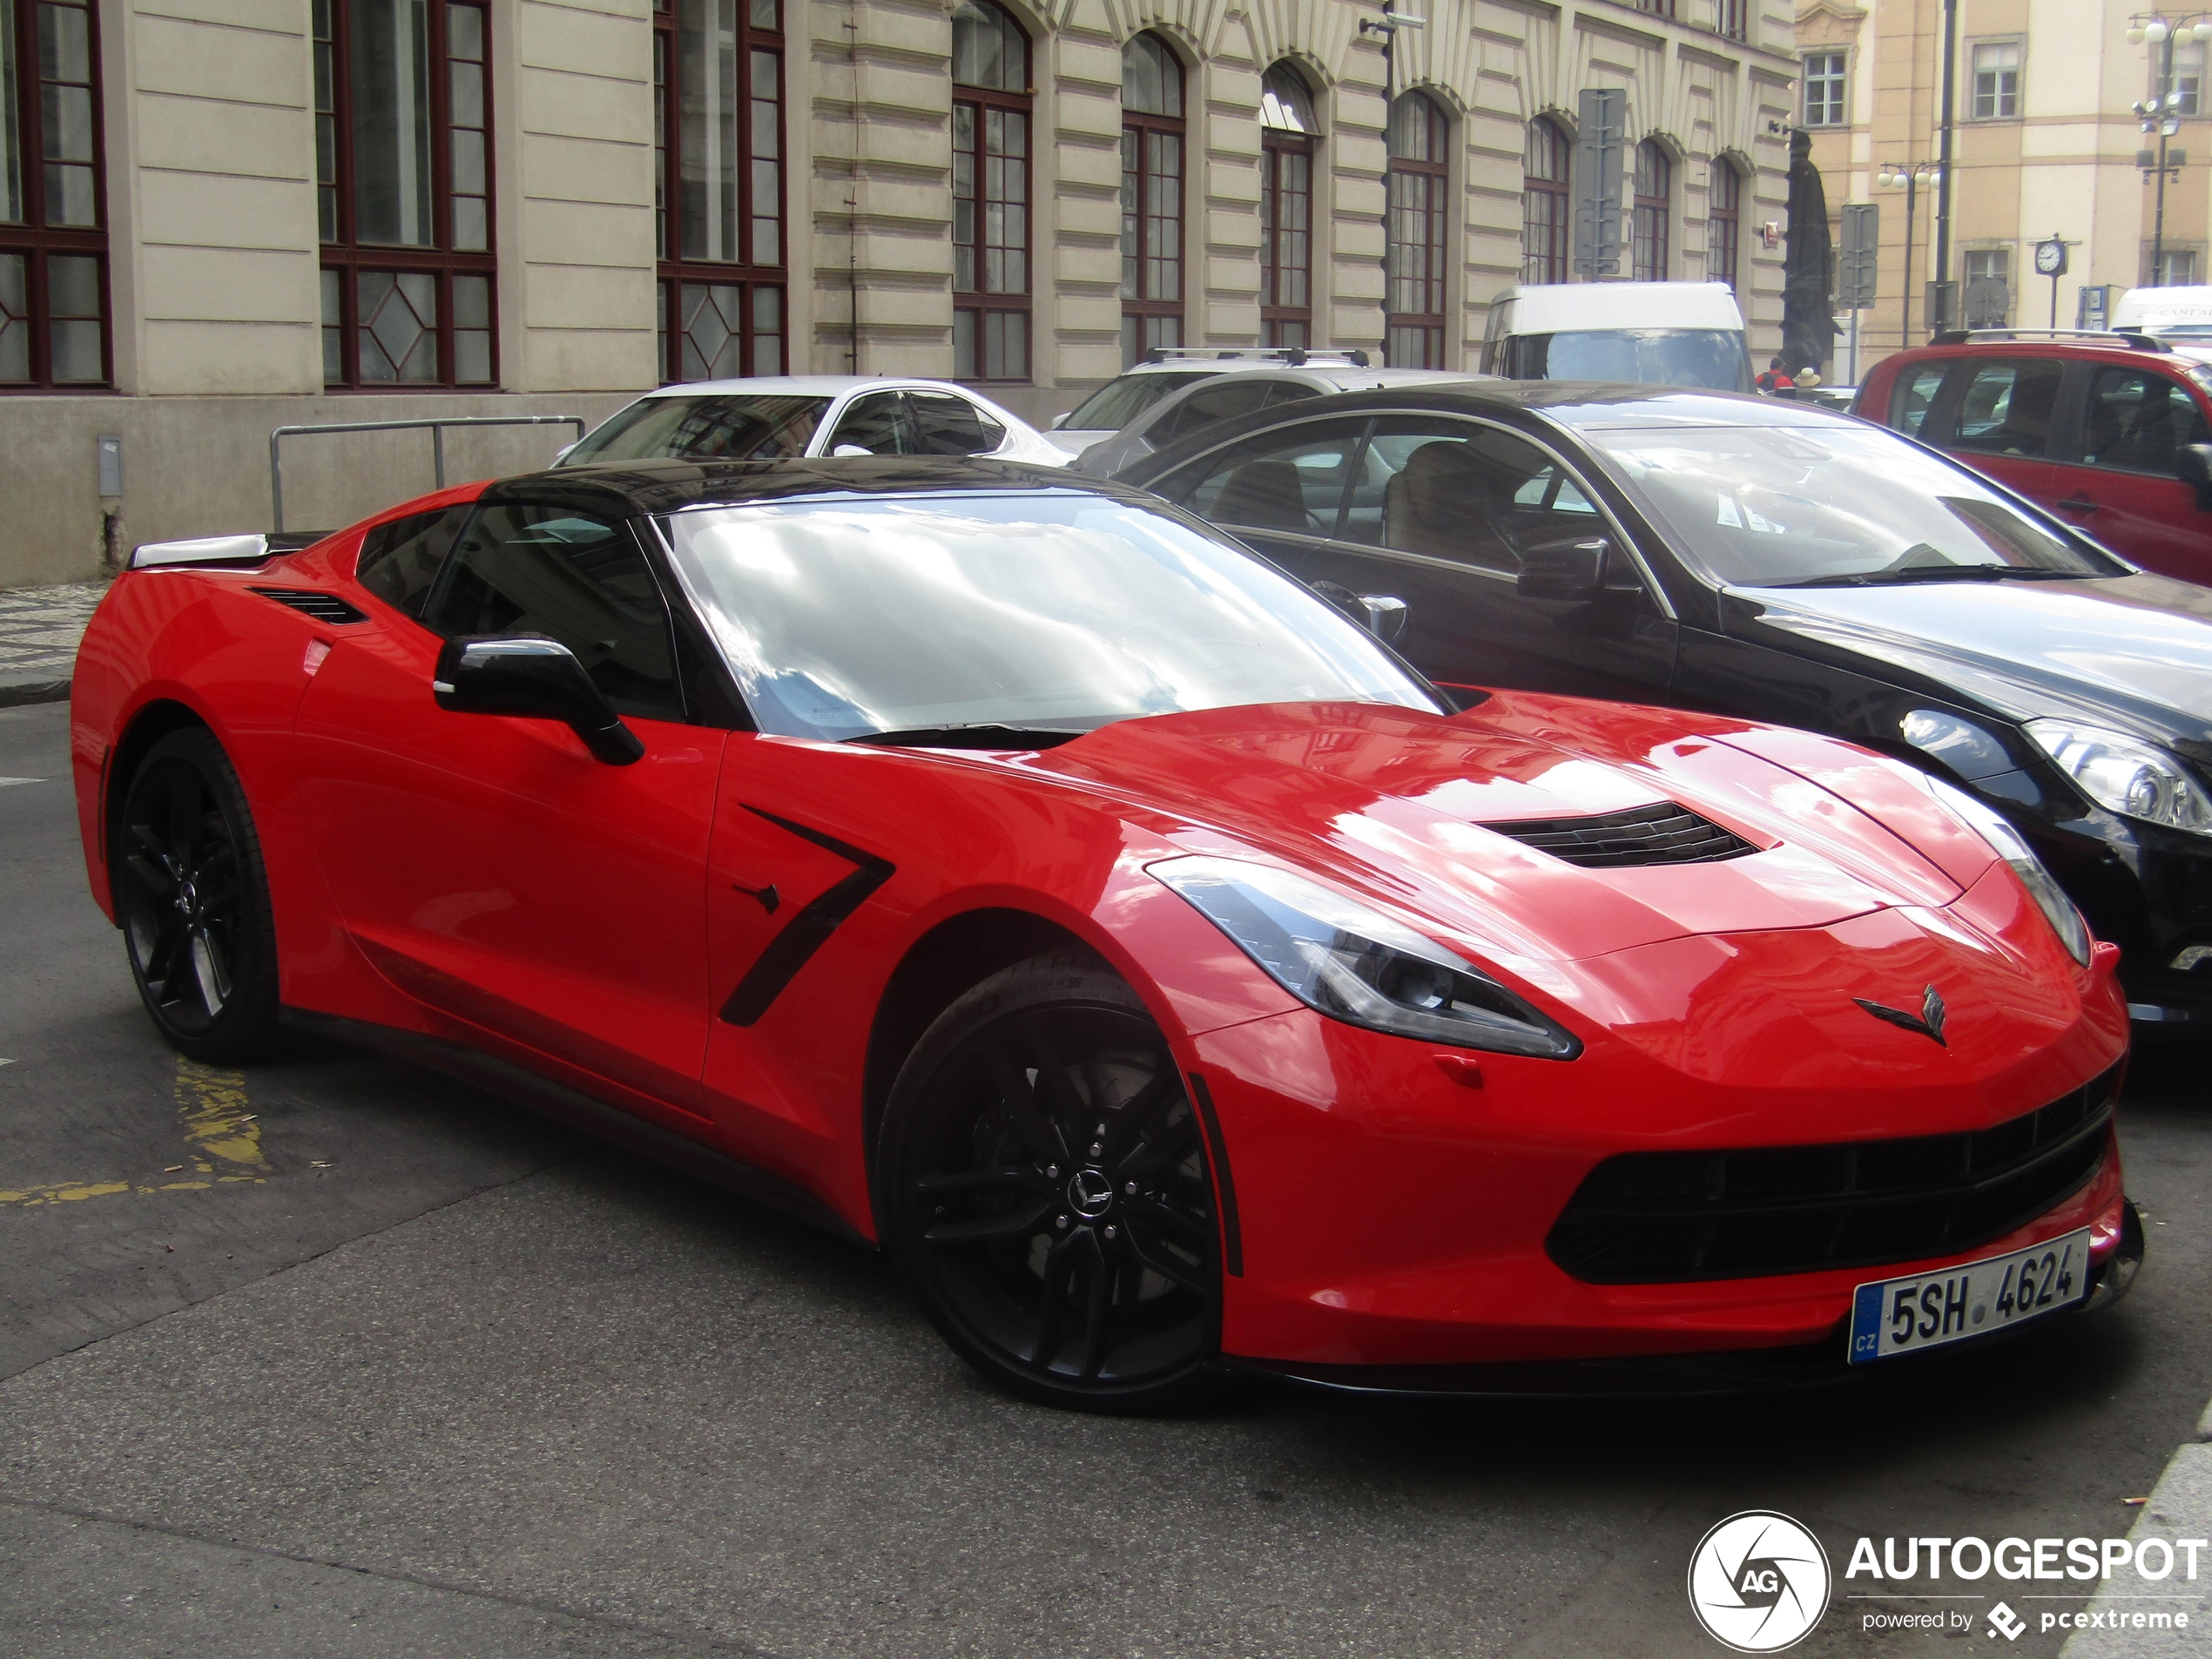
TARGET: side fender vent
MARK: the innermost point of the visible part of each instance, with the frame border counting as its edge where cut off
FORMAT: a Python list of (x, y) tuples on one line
[(1660, 833), (310, 602)]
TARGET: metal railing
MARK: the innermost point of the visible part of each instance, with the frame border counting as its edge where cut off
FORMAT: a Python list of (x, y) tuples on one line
[(437, 441)]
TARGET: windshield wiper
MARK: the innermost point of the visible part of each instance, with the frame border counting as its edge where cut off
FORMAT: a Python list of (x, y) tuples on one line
[(981, 734), (1895, 576)]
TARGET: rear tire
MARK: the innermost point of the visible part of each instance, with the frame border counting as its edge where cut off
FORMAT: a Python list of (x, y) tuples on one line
[(194, 899), (1045, 1193)]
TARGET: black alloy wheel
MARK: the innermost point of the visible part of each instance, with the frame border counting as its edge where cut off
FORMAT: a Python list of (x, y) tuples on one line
[(1044, 1187), (191, 895)]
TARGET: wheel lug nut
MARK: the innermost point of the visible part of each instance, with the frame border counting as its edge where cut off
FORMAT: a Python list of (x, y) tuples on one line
[(1131, 1189), (1109, 1232), (1062, 1221), (1053, 1170), (1098, 1147)]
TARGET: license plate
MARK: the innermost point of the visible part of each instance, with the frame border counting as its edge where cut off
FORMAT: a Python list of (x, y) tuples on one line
[(1905, 1315)]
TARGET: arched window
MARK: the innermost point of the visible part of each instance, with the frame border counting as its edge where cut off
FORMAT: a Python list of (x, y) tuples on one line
[(718, 144), (990, 194), (1544, 216), (53, 248), (1724, 223), (1413, 255), (1655, 187), (1287, 130), (1151, 197)]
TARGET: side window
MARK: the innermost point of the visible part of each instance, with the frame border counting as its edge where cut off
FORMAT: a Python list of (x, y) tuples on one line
[(2138, 421), (945, 425), (399, 560), (873, 423), (2008, 406), (1462, 491), (1291, 392), (1289, 479), (1914, 394), (532, 569), (1233, 394)]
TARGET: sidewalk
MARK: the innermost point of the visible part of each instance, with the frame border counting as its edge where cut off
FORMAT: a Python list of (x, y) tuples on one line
[(39, 629), (2180, 1506)]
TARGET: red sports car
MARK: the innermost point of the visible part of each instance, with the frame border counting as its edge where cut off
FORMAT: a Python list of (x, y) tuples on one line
[(1008, 869)]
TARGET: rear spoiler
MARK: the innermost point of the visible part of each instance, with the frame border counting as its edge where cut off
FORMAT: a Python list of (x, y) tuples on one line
[(253, 548)]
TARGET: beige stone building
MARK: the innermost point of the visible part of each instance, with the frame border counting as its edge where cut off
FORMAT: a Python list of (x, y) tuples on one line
[(2046, 143), (223, 216)]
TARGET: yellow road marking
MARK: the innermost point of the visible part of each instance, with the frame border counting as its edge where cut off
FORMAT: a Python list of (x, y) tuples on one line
[(211, 1109)]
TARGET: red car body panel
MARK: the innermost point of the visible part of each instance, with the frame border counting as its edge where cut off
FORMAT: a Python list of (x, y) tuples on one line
[(483, 880)]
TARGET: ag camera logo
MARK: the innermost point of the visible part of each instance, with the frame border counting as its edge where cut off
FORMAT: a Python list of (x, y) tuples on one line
[(1758, 1581)]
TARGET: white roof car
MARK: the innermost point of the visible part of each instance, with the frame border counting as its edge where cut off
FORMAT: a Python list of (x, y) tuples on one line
[(1221, 397), (1662, 333), (2178, 312), (779, 417), (1169, 370)]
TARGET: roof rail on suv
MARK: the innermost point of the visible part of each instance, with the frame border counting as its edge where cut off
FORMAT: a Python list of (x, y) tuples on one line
[(2134, 339), (1296, 356)]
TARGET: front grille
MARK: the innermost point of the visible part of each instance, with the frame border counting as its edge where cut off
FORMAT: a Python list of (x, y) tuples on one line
[(323, 607), (1667, 1218), (1660, 833)]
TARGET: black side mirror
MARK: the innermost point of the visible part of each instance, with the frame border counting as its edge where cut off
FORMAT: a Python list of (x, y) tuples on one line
[(2193, 465), (1563, 570), (536, 678), (1381, 614)]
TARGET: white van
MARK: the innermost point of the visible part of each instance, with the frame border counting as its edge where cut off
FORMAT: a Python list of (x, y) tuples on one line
[(1660, 333), (2183, 314)]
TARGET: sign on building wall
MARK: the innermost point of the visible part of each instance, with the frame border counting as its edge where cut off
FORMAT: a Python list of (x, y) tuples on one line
[(1601, 113)]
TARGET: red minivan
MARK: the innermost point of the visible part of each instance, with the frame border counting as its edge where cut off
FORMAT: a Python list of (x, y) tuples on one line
[(2112, 433)]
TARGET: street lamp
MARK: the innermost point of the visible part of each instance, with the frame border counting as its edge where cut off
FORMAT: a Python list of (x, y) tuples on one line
[(2162, 112), (1908, 179)]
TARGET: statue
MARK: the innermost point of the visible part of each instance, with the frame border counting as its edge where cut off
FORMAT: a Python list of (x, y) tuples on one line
[(1809, 328)]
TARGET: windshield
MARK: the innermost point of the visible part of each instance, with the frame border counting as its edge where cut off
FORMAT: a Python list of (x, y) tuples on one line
[(844, 618), (1114, 405), (1712, 358), (1766, 507), (713, 426)]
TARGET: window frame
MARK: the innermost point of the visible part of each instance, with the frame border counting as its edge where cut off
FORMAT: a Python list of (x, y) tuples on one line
[(352, 258), (1558, 195), (677, 275), (1435, 189), (2018, 46), (1140, 125), (1651, 217), (979, 301), (1275, 317), (1835, 82), (39, 243), (1724, 225)]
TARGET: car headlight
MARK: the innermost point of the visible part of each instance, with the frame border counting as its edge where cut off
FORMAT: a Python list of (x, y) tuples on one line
[(2125, 775), (2012, 846), (1355, 964)]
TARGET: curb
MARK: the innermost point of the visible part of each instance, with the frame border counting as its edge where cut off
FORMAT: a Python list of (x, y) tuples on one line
[(25, 692), (2179, 1506)]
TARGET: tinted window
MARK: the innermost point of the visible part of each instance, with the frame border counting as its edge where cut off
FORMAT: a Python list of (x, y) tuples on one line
[(1114, 405), (945, 425), (710, 427), (1291, 479), (1459, 490), (843, 618), (2138, 421), (2008, 406), (1713, 358), (399, 560), (1231, 395), (526, 569), (1914, 394), (873, 423)]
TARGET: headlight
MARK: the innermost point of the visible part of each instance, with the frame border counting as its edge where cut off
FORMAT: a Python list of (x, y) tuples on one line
[(1355, 964), (2125, 774), (2010, 846)]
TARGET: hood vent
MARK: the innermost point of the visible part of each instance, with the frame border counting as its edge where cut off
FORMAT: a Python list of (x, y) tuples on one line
[(1660, 833), (308, 602)]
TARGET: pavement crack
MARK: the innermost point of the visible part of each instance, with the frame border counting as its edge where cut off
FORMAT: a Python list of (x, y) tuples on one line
[(528, 1604)]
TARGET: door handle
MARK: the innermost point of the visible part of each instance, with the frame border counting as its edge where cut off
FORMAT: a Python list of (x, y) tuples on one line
[(2077, 502)]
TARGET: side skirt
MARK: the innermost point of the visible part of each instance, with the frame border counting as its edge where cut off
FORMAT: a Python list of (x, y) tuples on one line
[(580, 1111)]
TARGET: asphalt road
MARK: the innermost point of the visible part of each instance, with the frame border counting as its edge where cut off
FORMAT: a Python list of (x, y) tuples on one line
[(338, 1357)]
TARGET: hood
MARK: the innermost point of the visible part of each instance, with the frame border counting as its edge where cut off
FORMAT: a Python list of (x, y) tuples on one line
[(1394, 802), (2139, 647)]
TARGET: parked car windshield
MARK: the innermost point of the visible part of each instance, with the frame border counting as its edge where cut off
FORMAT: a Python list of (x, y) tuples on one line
[(1840, 505), (1712, 358), (710, 425), (846, 618), (1114, 405)]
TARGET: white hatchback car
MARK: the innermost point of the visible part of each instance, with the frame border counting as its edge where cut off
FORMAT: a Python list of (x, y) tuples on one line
[(783, 417)]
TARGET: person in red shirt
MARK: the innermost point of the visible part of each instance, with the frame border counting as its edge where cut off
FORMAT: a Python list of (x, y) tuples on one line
[(1775, 380)]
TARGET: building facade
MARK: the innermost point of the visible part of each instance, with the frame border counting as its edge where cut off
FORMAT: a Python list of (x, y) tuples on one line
[(2045, 139), (223, 216)]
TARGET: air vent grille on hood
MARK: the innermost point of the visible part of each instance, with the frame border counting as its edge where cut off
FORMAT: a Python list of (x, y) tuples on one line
[(1660, 833), (323, 607)]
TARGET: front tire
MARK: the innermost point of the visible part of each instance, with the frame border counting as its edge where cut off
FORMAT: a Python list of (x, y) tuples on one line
[(194, 899), (1045, 1193)]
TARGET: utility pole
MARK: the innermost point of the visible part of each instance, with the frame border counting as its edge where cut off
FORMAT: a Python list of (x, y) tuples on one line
[(1943, 287)]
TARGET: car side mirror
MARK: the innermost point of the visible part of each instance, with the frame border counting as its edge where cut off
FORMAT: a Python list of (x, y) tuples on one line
[(561, 453), (852, 452), (534, 678), (1381, 614), (1061, 419), (2193, 465), (1568, 570)]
